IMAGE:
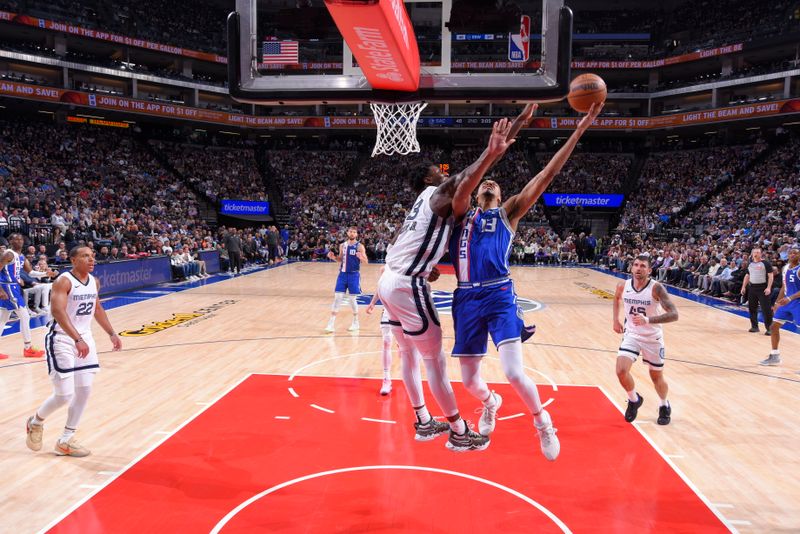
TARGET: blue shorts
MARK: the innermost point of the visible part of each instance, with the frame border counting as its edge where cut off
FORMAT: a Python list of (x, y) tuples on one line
[(482, 311), (15, 299), (788, 313), (350, 282)]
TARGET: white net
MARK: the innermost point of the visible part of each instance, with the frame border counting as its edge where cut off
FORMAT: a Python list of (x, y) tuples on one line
[(397, 127)]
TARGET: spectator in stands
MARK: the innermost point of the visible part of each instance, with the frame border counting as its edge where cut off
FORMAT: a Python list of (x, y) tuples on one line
[(102, 255)]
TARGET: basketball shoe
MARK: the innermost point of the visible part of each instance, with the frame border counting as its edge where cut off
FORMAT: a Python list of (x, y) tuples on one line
[(3, 356), (71, 448), (664, 414), (551, 447), (431, 429), (34, 435), (468, 441), (32, 352), (489, 415), (772, 359), (633, 409), (386, 386), (354, 327)]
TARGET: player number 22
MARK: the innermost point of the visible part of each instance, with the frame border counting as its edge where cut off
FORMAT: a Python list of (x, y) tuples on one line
[(85, 308)]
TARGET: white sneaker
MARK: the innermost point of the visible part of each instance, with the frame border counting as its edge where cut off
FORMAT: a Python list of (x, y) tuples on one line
[(547, 436), (386, 386), (489, 416), (329, 328), (772, 359), (354, 327)]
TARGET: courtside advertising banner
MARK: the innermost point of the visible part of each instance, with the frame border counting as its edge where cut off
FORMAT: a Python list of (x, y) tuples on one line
[(584, 200), (119, 103), (244, 207)]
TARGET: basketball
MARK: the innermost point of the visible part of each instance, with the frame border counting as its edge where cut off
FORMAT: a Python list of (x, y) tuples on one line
[(585, 90)]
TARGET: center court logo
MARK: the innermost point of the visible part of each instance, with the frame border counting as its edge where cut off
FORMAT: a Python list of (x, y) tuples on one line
[(443, 301), (178, 319)]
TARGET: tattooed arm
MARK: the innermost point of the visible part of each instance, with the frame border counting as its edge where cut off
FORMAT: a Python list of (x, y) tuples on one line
[(670, 314)]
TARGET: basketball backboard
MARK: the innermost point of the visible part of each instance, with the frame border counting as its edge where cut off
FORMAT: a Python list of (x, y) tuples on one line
[(456, 66)]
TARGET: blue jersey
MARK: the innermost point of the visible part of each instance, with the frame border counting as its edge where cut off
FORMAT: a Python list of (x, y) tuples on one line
[(9, 281), (350, 261), (481, 245), (791, 281), (10, 273)]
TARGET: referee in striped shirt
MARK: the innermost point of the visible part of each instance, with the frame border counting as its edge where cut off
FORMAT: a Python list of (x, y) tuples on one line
[(758, 287)]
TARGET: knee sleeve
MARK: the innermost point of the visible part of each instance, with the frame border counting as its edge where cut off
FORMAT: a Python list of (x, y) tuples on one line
[(338, 298), (429, 347), (78, 405), (24, 322)]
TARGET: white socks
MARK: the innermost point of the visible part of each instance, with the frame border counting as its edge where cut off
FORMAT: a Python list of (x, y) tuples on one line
[(423, 414), (633, 396)]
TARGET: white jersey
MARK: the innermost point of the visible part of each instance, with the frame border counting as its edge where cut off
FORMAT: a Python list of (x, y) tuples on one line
[(81, 303), (641, 303), (422, 240)]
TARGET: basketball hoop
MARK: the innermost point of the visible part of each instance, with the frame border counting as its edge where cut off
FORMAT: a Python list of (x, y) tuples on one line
[(397, 127)]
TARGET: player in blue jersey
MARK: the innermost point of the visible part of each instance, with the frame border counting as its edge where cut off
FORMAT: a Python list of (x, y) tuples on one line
[(12, 263), (787, 307), (485, 302), (351, 254)]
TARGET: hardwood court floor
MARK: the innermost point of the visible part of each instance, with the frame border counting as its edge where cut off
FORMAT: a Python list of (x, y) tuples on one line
[(734, 433)]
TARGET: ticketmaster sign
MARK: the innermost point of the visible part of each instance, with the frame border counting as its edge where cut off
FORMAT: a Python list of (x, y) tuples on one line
[(587, 201), (244, 207)]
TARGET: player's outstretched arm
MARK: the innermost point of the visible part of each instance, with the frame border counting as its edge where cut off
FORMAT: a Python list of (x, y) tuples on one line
[(522, 120), (670, 314), (615, 324), (453, 195), (518, 205), (102, 319)]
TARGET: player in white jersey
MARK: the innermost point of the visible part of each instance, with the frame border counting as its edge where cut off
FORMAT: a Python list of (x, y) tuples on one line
[(351, 255), (71, 352), (388, 336), (405, 291), (641, 297)]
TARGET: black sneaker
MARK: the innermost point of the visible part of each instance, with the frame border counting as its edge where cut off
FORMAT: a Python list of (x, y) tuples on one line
[(468, 441), (664, 414), (768, 332), (431, 429), (527, 332), (633, 409), (754, 329)]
